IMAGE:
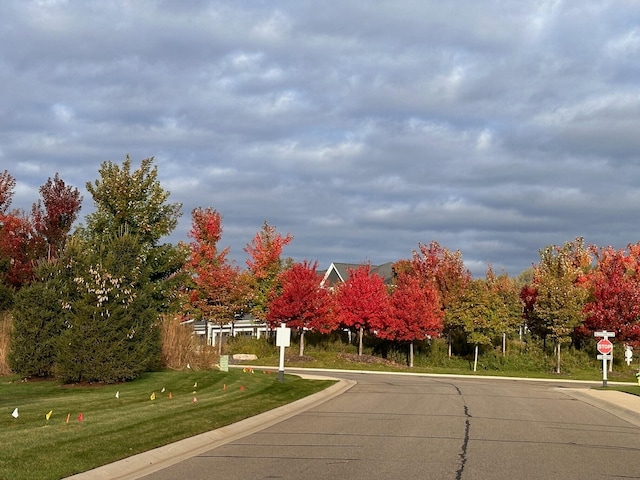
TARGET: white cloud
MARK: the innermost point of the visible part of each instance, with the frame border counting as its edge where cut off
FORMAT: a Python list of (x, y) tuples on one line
[(493, 127)]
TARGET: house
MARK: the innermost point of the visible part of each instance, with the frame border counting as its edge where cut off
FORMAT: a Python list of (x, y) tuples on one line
[(245, 325), (248, 325), (339, 272)]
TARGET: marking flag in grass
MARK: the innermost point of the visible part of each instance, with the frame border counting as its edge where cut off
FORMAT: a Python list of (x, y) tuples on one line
[(118, 394), (162, 391), (68, 416), (15, 413), (195, 400), (48, 415), (80, 417), (195, 385), (224, 387), (170, 395), (153, 396), (242, 388)]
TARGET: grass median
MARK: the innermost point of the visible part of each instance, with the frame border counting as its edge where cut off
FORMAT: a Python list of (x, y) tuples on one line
[(51, 431)]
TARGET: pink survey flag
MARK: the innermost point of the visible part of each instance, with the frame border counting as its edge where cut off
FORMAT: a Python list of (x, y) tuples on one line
[(80, 417)]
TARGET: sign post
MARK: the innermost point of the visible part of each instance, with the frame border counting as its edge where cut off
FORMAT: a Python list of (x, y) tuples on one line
[(283, 339), (605, 349)]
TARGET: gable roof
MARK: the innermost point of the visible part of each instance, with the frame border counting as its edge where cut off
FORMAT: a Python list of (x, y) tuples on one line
[(339, 273)]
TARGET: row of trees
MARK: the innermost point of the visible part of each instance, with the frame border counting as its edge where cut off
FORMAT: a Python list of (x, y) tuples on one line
[(86, 304)]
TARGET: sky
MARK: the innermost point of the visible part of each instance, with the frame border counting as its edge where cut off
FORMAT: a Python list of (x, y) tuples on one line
[(362, 128)]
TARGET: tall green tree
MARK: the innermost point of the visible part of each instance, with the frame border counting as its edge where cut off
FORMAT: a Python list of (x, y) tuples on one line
[(112, 332), (504, 295), (132, 199), (560, 292), (476, 312), (125, 279)]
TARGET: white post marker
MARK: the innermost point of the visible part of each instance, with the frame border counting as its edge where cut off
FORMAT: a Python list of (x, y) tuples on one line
[(605, 349), (283, 339)]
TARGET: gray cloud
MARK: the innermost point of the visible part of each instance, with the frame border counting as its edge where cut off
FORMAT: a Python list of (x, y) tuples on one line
[(495, 128)]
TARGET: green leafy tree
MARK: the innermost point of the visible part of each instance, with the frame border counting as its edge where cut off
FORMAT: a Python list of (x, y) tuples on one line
[(124, 279), (112, 332), (39, 319), (561, 292), (506, 305), (475, 312), (131, 199)]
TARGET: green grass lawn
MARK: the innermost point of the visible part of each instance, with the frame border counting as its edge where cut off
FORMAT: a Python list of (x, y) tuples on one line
[(88, 426)]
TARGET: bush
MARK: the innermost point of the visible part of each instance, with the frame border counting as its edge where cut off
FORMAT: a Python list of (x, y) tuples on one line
[(181, 348), (38, 321), (262, 347)]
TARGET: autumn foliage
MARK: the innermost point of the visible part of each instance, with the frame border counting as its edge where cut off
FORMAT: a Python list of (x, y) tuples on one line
[(301, 302), (362, 302), (615, 294)]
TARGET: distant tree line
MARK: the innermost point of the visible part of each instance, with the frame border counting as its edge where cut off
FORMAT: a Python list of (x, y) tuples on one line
[(86, 303)]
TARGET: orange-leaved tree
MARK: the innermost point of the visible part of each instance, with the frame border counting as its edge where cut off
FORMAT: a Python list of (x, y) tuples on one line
[(218, 294), (264, 265)]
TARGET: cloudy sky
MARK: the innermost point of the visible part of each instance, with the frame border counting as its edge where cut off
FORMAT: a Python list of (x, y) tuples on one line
[(362, 128)]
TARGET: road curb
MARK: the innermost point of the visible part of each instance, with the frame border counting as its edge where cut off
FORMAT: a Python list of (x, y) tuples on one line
[(620, 404)]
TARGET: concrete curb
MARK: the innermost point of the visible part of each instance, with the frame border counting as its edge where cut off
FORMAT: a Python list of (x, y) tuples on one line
[(620, 404), (157, 459)]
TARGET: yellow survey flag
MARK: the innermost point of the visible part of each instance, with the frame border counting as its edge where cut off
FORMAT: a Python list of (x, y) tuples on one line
[(48, 415), (153, 396)]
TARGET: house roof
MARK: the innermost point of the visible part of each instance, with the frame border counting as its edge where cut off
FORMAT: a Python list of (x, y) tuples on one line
[(339, 272)]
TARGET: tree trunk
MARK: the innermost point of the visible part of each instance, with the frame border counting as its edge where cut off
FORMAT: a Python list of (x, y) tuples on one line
[(475, 359), (301, 353), (504, 344), (411, 355), (558, 357), (220, 342), (360, 334), (449, 343)]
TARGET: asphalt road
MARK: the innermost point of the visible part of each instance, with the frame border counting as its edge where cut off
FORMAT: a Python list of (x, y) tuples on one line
[(397, 427)]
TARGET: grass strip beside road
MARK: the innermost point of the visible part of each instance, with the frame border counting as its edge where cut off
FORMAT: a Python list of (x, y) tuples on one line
[(89, 426)]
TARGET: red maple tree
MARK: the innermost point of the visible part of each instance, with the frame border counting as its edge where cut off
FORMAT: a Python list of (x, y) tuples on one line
[(301, 302), (615, 294), (55, 214), (362, 302), (415, 313), (17, 239)]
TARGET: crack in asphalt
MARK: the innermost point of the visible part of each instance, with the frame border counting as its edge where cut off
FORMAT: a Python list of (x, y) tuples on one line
[(465, 442)]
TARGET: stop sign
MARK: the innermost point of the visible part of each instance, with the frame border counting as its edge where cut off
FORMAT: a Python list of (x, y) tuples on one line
[(605, 347)]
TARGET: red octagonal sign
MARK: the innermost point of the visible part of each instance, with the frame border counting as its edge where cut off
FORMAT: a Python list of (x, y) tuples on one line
[(605, 347)]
